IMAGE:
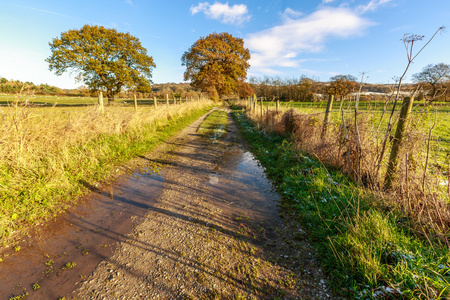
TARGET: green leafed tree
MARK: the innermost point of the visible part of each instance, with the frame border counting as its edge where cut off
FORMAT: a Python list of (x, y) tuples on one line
[(217, 64), (103, 58)]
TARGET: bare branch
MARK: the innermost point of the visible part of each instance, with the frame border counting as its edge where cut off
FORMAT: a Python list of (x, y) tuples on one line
[(440, 29)]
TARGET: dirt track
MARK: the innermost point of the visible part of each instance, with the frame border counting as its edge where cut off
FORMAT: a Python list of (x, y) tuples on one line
[(214, 232)]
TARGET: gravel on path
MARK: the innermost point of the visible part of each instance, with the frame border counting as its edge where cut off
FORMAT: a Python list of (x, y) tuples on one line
[(214, 233)]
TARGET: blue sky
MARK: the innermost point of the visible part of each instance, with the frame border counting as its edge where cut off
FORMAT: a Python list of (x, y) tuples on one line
[(287, 38)]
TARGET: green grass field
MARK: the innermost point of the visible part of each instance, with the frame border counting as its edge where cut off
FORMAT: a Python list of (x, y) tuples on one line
[(423, 118), (363, 105), (39, 100)]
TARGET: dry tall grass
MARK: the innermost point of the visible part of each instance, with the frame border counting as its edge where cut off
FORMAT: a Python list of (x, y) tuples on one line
[(421, 198), (44, 151), (27, 134)]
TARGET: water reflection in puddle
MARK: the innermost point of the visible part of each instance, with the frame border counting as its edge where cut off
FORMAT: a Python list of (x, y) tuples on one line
[(85, 235), (239, 181)]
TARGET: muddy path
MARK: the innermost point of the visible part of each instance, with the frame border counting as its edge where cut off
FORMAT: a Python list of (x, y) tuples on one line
[(205, 226)]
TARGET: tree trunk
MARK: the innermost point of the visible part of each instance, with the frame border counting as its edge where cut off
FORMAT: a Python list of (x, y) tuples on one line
[(327, 115), (398, 138), (110, 96)]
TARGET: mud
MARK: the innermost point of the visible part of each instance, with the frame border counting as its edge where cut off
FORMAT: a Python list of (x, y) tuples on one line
[(86, 235)]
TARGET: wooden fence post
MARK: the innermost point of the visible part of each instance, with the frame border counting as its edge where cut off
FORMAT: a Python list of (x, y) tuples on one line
[(167, 99), (261, 108), (400, 133), (327, 115), (135, 102), (155, 102), (101, 108)]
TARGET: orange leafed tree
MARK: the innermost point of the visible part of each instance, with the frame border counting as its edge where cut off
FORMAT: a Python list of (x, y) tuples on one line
[(245, 90), (341, 85), (217, 64)]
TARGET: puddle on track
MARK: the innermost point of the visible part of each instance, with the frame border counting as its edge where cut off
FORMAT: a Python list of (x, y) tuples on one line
[(85, 235), (240, 186)]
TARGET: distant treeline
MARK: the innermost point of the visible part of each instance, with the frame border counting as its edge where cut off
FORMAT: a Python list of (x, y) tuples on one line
[(173, 90), (16, 86), (302, 89)]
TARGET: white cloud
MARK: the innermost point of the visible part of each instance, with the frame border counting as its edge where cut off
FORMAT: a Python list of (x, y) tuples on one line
[(327, 1), (290, 55), (291, 14), (225, 13), (372, 5), (129, 2), (280, 45)]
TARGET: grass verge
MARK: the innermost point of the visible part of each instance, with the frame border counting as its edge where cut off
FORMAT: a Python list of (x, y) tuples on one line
[(52, 156), (367, 250)]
